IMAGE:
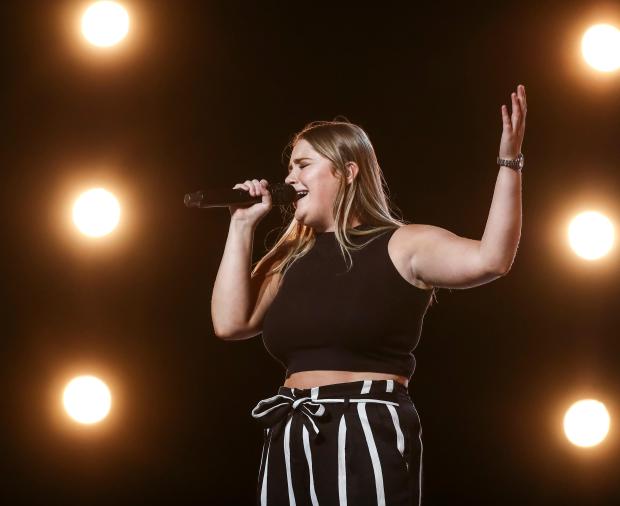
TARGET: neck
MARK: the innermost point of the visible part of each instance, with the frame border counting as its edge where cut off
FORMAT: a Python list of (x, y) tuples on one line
[(354, 222)]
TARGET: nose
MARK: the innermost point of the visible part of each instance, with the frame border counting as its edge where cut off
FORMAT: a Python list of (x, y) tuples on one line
[(290, 179)]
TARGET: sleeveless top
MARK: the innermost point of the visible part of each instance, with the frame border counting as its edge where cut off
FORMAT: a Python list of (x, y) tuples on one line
[(324, 318)]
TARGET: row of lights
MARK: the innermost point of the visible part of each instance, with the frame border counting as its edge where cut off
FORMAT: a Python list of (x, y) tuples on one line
[(96, 213)]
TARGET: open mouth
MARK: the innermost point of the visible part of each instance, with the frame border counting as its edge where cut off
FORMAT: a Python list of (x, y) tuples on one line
[(301, 194)]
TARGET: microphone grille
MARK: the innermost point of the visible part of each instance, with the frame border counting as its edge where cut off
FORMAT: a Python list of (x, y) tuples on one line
[(193, 199), (282, 194)]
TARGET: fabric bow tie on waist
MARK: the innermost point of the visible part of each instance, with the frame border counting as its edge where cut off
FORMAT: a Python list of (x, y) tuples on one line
[(275, 411)]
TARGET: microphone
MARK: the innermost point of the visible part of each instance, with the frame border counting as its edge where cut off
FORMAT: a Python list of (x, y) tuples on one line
[(281, 194)]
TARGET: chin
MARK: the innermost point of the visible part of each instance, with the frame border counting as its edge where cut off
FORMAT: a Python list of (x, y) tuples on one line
[(303, 221), (300, 216)]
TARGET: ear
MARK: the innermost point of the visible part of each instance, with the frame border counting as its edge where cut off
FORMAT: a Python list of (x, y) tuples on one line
[(352, 171)]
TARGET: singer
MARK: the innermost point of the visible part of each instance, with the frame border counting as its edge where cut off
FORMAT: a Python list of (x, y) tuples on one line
[(340, 300)]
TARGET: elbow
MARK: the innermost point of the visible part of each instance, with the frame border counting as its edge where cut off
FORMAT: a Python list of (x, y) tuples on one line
[(496, 265), (222, 337), (225, 334), (222, 333), (235, 334), (503, 269), (500, 267), (222, 328)]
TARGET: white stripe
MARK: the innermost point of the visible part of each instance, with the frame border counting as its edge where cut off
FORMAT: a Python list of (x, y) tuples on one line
[(420, 480), (309, 417), (421, 452), (266, 401), (300, 400), (287, 460), (400, 440), (314, 393), (366, 387), (374, 455), (262, 455), (390, 386), (366, 399), (315, 501), (263, 491), (342, 465)]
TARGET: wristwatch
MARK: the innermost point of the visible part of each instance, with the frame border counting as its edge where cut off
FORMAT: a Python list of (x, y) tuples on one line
[(516, 164)]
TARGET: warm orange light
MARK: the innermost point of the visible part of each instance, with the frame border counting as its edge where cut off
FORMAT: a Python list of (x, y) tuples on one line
[(586, 423), (105, 23), (591, 235), (96, 212), (87, 399), (600, 47)]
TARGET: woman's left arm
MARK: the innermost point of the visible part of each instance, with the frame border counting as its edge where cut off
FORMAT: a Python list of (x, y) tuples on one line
[(503, 228), (443, 259)]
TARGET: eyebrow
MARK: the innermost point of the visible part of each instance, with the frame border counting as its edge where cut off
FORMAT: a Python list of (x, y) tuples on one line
[(296, 161)]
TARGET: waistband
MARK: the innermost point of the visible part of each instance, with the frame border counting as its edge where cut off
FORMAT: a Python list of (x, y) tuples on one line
[(350, 388), (276, 411)]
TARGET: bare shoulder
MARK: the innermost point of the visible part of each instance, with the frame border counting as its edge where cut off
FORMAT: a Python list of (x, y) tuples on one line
[(401, 248)]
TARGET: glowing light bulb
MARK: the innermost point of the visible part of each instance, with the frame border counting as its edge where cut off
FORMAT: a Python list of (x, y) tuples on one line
[(87, 399), (600, 47), (96, 212), (105, 23), (586, 423), (591, 235)]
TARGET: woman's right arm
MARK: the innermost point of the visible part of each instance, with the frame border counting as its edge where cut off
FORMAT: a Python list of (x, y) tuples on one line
[(239, 302)]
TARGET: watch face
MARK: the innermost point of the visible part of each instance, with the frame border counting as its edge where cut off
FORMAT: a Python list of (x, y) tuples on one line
[(521, 161)]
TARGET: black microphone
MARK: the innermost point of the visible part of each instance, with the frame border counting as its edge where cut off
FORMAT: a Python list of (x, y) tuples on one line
[(281, 194)]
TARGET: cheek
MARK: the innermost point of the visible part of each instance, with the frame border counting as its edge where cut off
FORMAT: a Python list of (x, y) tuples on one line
[(328, 194), (324, 189)]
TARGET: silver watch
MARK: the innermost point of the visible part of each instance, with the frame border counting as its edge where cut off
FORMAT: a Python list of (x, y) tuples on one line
[(516, 164)]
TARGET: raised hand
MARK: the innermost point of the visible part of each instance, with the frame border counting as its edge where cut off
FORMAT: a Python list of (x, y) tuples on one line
[(513, 125)]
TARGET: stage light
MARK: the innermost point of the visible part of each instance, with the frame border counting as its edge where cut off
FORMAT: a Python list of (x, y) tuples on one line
[(600, 47), (87, 399), (591, 235), (105, 23), (586, 423), (96, 212)]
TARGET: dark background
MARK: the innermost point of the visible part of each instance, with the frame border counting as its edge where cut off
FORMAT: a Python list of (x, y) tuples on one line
[(209, 93)]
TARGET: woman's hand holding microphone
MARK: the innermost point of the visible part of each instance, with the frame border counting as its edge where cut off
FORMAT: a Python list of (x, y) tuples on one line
[(251, 215)]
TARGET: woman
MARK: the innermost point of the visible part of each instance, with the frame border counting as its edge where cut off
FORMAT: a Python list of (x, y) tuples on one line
[(339, 300)]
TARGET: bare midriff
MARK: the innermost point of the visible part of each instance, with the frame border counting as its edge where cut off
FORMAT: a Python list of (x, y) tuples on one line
[(309, 379)]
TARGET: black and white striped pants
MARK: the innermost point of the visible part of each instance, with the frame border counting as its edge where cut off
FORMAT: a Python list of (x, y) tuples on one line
[(357, 443)]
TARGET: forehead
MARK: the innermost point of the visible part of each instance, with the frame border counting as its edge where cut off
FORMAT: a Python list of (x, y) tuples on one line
[(302, 150)]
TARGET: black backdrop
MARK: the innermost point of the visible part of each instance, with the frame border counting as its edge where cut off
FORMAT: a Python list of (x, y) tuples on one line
[(209, 93)]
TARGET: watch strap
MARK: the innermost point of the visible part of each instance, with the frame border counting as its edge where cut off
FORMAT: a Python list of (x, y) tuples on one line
[(516, 164)]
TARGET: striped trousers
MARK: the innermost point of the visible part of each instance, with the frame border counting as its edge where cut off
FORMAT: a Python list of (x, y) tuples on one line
[(357, 443)]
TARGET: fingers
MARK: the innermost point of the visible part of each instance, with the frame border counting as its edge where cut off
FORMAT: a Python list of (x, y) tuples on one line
[(523, 103), (519, 110), (506, 118), (254, 187), (516, 111), (522, 98)]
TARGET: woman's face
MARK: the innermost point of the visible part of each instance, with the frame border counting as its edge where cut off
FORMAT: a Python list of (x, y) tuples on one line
[(310, 171)]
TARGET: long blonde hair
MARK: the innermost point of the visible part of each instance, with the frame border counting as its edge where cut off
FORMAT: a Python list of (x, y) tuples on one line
[(366, 197)]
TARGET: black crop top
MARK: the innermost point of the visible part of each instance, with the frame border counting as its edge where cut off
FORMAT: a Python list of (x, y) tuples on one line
[(324, 318)]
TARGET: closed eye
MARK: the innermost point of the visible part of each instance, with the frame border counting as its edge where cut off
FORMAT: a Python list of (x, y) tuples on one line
[(300, 166)]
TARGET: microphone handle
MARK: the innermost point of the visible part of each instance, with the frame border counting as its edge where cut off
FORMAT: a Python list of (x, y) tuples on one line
[(220, 198), (281, 194)]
